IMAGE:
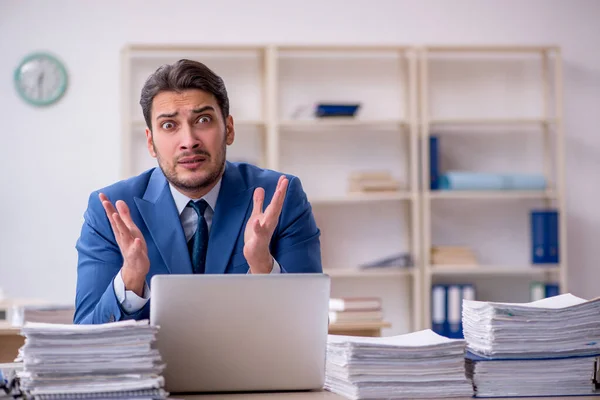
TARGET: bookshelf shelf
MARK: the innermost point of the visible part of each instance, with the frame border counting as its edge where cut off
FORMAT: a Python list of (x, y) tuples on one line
[(357, 198), (332, 123), (492, 121), (490, 195), (491, 270), (382, 272)]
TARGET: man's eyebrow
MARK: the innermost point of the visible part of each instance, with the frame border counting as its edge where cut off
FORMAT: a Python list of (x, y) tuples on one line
[(167, 115), (202, 109)]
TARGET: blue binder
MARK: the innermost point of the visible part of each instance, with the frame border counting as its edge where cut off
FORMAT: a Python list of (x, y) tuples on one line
[(552, 289), (434, 163), (439, 310), (544, 237), (446, 308)]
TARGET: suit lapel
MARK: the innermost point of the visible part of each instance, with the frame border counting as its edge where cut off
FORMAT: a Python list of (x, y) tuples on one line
[(230, 215), (159, 212)]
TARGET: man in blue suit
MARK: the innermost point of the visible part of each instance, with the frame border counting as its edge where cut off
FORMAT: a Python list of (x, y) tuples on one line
[(196, 213)]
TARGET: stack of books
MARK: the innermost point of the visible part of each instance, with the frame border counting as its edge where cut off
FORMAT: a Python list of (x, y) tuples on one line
[(547, 347), (416, 365), (355, 310), (373, 181), (114, 360), (453, 255)]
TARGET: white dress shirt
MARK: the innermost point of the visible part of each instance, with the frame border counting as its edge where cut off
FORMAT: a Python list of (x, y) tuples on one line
[(131, 302)]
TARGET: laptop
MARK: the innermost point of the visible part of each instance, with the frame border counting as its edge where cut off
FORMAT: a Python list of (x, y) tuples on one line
[(239, 332)]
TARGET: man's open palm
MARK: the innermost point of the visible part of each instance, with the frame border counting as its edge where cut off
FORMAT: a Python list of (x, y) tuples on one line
[(260, 228)]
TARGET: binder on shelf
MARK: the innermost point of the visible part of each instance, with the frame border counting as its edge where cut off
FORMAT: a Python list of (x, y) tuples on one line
[(541, 290), (544, 237), (434, 163), (438, 309), (552, 289), (446, 308)]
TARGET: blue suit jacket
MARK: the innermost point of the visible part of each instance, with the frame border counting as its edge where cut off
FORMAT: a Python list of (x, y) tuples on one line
[(295, 243)]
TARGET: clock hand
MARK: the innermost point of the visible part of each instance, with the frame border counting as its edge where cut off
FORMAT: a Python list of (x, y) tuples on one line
[(40, 83)]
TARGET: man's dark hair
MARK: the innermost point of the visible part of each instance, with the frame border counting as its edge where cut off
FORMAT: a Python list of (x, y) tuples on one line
[(183, 75)]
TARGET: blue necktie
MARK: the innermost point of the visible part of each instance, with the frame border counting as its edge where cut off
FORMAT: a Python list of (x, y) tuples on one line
[(198, 243)]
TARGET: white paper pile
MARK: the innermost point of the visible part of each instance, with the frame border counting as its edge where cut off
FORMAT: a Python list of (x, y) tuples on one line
[(544, 348), (563, 325), (114, 360), (52, 314), (417, 365), (564, 377)]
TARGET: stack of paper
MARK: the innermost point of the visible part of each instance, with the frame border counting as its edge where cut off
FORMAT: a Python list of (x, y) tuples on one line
[(417, 365), (557, 326), (52, 314), (113, 360), (534, 377), (543, 348)]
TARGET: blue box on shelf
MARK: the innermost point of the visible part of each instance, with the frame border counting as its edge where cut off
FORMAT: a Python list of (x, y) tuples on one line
[(336, 109)]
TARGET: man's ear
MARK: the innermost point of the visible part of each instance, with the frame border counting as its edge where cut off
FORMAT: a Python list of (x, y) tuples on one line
[(150, 143), (229, 130)]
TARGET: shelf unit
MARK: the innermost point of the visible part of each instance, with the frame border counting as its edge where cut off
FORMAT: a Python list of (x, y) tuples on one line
[(444, 73), (402, 90), (271, 90)]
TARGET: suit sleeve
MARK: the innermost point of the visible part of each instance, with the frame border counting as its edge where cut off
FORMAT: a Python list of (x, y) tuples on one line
[(99, 261), (297, 247)]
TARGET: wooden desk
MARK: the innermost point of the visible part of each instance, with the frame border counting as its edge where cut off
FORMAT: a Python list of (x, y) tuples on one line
[(317, 395), (10, 342), (372, 329), (310, 395)]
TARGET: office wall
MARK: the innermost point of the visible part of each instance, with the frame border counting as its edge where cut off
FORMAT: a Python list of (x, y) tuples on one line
[(52, 158)]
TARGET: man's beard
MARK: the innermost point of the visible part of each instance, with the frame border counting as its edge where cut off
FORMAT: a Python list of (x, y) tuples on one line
[(198, 183)]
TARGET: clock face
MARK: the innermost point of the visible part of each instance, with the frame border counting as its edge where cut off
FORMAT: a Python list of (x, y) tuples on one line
[(40, 79)]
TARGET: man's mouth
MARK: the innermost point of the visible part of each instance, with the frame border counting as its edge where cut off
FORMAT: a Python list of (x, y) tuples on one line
[(192, 162)]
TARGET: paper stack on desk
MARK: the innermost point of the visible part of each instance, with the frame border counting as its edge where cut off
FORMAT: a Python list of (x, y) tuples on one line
[(416, 365), (547, 347), (113, 360)]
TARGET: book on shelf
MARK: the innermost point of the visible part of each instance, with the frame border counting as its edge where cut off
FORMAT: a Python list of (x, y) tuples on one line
[(355, 316), (544, 236), (447, 307), (434, 163), (403, 259), (355, 304), (542, 290), (453, 255), (468, 180), (373, 181)]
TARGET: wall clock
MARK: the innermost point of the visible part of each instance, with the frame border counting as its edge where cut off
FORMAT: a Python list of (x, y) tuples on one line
[(41, 79)]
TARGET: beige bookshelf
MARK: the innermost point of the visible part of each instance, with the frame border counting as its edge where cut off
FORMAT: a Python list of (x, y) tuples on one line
[(401, 89), (520, 113), (269, 86)]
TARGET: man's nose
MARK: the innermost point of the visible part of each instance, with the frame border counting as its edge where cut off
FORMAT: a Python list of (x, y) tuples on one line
[(190, 139)]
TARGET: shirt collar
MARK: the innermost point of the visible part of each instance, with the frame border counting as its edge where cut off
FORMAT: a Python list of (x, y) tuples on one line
[(181, 200)]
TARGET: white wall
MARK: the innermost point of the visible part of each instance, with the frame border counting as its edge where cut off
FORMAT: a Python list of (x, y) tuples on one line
[(52, 158)]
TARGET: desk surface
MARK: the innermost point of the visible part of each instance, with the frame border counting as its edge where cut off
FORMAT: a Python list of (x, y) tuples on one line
[(316, 395), (311, 395)]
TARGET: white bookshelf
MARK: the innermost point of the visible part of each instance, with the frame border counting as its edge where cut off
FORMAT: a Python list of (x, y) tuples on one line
[(469, 96), (503, 100), (272, 90)]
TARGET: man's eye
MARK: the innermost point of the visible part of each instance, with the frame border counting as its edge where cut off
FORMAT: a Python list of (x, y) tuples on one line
[(167, 125), (204, 119)]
